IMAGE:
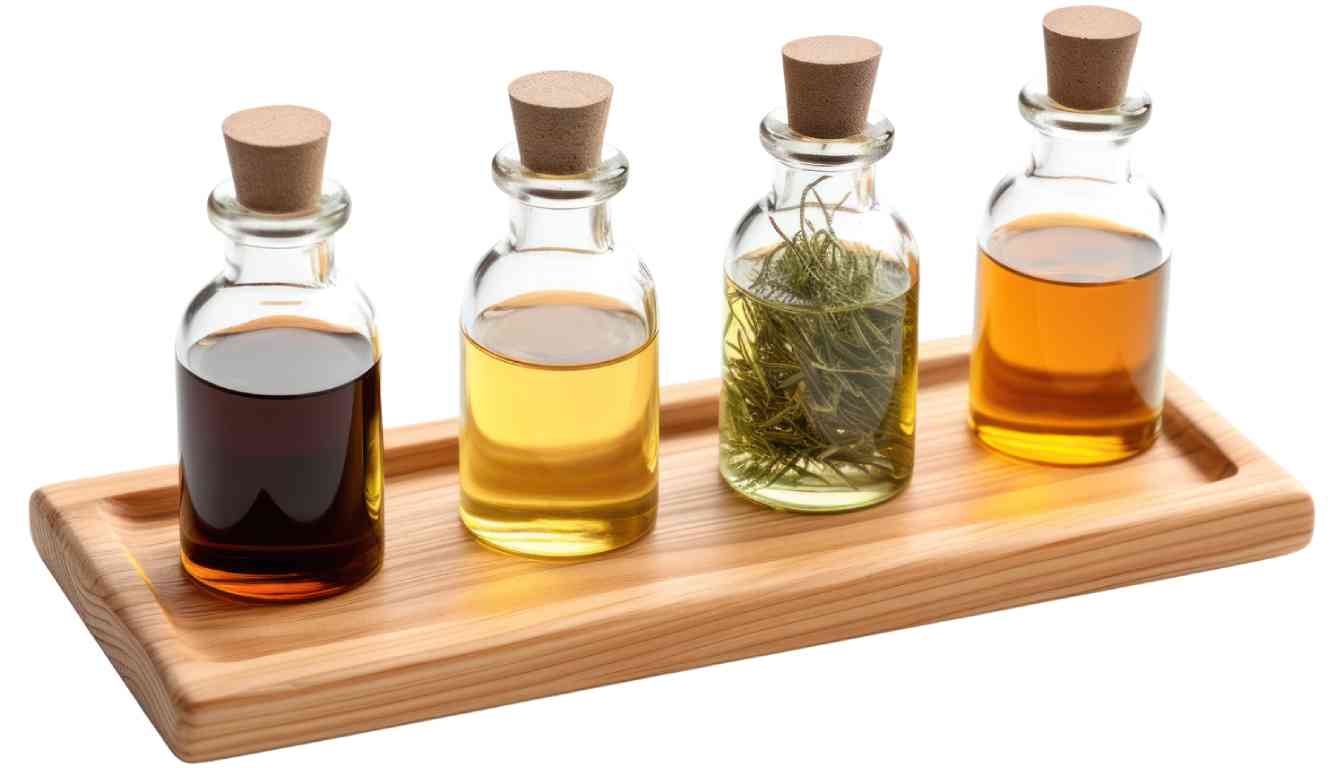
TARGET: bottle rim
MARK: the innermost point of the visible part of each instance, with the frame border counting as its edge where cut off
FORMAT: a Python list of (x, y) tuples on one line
[(810, 153), (1051, 117), (279, 230), (545, 190)]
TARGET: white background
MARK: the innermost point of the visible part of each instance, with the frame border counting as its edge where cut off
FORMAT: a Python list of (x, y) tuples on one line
[(109, 143)]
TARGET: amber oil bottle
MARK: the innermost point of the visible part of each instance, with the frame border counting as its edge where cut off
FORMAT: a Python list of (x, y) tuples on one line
[(1073, 267)]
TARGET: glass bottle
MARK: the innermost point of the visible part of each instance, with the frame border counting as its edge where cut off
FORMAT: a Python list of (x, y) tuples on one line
[(279, 419), (559, 441), (821, 286), (1072, 279)]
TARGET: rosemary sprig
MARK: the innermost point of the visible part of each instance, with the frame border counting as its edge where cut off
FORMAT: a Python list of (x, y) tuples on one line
[(818, 346)]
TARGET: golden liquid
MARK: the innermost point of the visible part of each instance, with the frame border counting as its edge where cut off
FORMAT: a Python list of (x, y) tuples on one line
[(872, 455), (559, 444), (1067, 365)]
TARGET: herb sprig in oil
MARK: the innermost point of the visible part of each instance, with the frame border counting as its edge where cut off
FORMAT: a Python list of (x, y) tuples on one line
[(819, 363)]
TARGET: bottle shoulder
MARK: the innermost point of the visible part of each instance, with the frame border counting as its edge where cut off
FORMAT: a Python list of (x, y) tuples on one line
[(1131, 203), (505, 273), (225, 305), (763, 225), (822, 254)]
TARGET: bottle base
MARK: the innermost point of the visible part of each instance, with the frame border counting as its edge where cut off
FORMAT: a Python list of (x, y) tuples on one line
[(1043, 445), (812, 500), (282, 587), (557, 536)]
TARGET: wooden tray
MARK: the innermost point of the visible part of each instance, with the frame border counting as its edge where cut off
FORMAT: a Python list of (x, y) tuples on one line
[(448, 626)]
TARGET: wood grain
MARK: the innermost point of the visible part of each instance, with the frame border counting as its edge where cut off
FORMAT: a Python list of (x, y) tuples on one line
[(449, 627)]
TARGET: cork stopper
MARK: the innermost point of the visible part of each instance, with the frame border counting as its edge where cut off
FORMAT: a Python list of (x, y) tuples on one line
[(828, 83), (277, 154), (1088, 50), (559, 118)]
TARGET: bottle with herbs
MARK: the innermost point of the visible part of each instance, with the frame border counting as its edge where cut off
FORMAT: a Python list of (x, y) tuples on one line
[(817, 411)]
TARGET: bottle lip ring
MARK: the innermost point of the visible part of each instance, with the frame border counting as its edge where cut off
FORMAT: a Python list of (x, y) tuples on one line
[(279, 230), (1049, 116), (811, 153), (543, 190)]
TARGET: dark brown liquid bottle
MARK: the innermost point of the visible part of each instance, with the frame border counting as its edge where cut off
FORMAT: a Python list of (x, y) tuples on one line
[(279, 420), (281, 461)]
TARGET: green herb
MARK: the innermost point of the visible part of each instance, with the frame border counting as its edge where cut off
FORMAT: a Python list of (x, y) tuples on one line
[(819, 358)]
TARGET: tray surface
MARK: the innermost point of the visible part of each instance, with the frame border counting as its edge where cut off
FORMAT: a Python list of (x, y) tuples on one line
[(448, 626)]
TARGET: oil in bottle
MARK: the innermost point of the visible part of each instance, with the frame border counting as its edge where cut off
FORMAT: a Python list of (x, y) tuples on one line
[(1067, 360), (1067, 364), (559, 446), (817, 409), (281, 461), (821, 302), (280, 435), (558, 453)]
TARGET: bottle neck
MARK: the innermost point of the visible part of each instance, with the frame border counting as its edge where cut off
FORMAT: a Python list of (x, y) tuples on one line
[(855, 187), (312, 264), (1067, 154), (585, 229), (288, 249)]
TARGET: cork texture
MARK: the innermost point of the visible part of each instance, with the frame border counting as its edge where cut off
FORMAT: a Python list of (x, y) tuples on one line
[(828, 84), (560, 119), (277, 156), (1088, 53)]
